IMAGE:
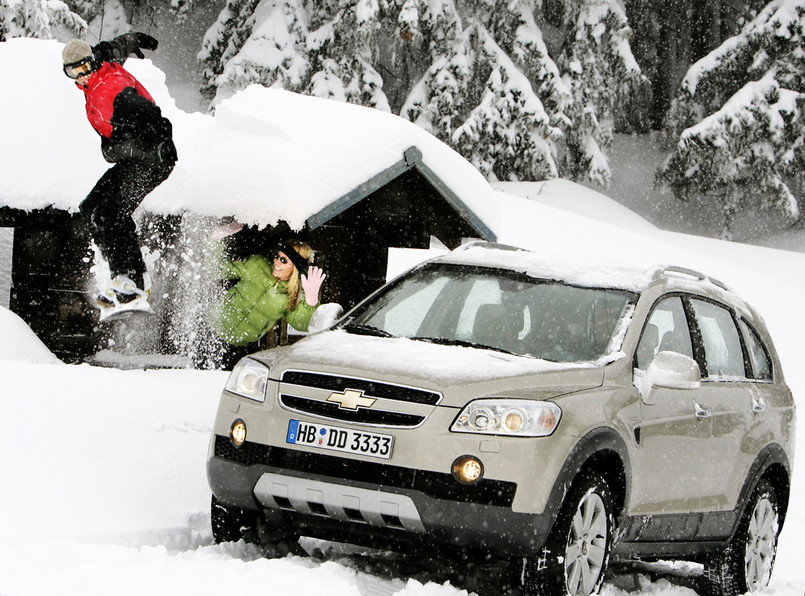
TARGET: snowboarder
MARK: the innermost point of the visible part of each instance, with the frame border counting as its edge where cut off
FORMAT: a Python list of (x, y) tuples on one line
[(138, 140)]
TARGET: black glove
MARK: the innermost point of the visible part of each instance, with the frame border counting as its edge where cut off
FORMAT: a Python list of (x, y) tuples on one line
[(146, 42), (104, 52), (123, 46)]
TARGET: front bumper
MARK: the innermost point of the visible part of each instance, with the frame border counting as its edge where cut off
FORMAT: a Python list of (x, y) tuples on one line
[(341, 499)]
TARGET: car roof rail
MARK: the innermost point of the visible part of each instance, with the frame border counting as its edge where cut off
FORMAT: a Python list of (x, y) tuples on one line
[(665, 270)]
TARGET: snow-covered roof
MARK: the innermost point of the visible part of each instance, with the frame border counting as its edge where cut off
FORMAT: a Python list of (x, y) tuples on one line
[(265, 155)]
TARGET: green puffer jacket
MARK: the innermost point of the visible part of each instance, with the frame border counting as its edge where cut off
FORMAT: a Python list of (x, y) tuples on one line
[(254, 304)]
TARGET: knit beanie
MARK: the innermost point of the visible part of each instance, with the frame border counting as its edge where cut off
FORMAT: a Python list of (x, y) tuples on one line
[(76, 50)]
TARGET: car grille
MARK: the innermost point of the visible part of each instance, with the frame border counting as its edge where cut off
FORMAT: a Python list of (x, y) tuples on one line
[(434, 484), (368, 388)]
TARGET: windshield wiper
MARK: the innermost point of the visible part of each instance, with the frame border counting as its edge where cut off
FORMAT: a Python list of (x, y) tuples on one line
[(443, 341), (363, 329)]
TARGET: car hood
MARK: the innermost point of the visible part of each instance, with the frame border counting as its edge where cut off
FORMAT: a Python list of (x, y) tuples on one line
[(459, 373)]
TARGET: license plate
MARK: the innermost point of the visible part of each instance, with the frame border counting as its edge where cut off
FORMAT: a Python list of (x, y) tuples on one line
[(339, 439)]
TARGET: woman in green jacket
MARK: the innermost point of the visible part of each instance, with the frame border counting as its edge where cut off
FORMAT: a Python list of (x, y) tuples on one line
[(286, 286)]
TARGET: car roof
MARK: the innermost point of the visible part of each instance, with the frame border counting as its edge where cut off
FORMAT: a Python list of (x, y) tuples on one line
[(595, 274), (592, 274)]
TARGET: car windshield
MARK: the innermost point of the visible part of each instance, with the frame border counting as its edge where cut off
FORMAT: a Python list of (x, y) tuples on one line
[(505, 311)]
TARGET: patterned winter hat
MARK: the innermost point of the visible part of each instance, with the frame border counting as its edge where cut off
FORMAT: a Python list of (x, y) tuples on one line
[(76, 50)]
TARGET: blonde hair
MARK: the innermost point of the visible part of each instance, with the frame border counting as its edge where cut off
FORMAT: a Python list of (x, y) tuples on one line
[(295, 283)]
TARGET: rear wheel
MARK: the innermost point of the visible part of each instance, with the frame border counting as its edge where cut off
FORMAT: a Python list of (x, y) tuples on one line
[(574, 559), (747, 563)]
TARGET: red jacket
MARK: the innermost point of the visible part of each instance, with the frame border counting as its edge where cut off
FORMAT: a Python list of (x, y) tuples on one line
[(131, 125), (103, 87)]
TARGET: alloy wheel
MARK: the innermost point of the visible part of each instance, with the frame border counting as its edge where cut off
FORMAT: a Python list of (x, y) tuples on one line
[(761, 542), (586, 547)]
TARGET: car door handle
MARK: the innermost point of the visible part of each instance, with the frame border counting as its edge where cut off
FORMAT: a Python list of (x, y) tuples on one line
[(701, 412), (758, 405)]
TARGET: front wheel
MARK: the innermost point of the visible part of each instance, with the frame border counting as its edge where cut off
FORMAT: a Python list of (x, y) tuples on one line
[(747, 563), (574, 559), (230, 524)]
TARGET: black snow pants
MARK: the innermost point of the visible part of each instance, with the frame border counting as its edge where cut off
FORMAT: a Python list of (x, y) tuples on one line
[(109, 207)]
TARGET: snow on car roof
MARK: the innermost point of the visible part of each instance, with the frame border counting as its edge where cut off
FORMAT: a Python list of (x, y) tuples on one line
[(589, 273), (265, 155), (581, 273)]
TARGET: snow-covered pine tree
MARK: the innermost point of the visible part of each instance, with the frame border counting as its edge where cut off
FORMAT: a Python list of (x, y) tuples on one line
[(343, 52), (670, 36), (43, 19), (530, 53), (476, 99), (223, 41), (601, 72), (739, 119), (508, 135), (109, 22), (272, 54), (86, 9), (475, 73), (436, 102), (182, 8)]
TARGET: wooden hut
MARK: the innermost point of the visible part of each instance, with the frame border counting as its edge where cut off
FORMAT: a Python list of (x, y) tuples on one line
[(402, 206)]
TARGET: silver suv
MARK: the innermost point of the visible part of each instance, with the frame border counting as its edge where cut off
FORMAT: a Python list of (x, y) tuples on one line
[(551, 415)]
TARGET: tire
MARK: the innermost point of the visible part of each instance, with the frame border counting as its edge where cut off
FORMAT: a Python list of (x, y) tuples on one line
[(747, 563), (230, 524), (575, 557)]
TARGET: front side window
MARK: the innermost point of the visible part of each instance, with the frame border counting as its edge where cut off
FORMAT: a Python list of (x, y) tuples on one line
[(758, 356), (720, 339), (666, 330), (503, 311)]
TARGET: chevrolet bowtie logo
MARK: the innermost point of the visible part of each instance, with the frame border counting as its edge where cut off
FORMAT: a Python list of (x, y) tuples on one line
[(351, 400)]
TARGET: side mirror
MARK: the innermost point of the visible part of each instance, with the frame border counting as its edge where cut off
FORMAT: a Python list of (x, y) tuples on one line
[(324, 316), (670, 370)]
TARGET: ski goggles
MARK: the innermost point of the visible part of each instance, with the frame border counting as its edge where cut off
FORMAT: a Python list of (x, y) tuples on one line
[(79, 69)]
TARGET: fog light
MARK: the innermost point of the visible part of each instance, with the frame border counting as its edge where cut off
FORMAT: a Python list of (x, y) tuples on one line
[(468, 469), (238, 433)]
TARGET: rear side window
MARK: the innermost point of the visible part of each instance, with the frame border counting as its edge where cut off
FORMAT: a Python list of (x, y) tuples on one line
[(758, 355), (666, 330), (720, 339)]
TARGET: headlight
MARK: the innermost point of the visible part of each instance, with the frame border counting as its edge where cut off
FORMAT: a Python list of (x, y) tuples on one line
[(515, 417), (249, 379)]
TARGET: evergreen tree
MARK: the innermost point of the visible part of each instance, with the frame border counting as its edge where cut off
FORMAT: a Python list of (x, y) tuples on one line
[(508, 135), (110, 20), (343, 52), (270, 55), (86, 9), (670, 36), (439, 101), (477, 74), (739, 119), (43, 19), (224, 40), (598, 67)]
